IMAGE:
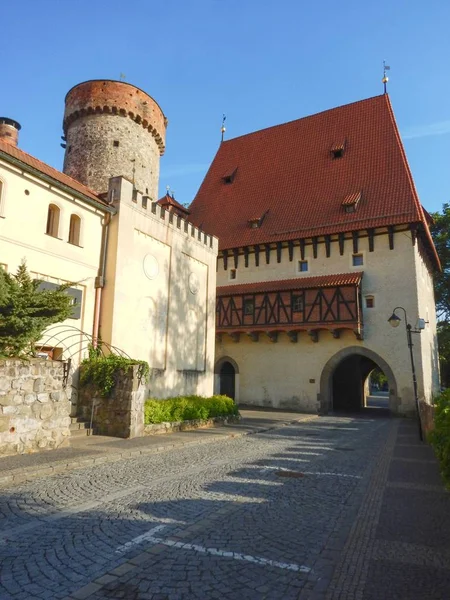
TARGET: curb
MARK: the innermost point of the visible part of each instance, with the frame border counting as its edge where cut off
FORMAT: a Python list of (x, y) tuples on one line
[(26, 474)]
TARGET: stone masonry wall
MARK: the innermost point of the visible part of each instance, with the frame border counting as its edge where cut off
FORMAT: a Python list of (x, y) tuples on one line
[(122, 413), (34, 408)]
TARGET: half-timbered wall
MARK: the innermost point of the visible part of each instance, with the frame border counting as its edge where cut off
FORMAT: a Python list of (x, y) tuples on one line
[(292, 309)]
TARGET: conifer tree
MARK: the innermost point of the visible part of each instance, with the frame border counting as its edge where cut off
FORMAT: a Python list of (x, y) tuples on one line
[(26, 311)]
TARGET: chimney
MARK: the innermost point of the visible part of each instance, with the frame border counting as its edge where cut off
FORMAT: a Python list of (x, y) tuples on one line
[(9, 131)]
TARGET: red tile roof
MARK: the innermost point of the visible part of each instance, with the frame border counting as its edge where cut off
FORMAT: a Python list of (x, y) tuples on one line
[(289, 170), (169, 200), (34, 163), (299, 283)]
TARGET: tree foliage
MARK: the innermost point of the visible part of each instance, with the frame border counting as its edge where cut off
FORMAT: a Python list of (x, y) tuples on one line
[(26, 311), (440, 230)]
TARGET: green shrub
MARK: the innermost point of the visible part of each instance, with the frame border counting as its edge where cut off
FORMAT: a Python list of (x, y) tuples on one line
[(439, 437), (102, 371), (187, 408)]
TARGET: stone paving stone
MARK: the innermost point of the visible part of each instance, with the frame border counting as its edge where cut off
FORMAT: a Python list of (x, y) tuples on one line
[(397, 581), (416, 517), (225, 525), (415, 472)]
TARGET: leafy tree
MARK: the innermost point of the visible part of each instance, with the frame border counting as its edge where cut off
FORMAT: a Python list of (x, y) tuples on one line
[(26, 311), (443, 332), (440, 230)]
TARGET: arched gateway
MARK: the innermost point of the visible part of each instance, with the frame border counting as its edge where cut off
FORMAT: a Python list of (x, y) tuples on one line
[(343, 377), (227, 372)]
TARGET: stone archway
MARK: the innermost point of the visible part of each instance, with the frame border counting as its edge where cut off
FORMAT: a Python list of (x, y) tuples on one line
[(226, 376), (343, 359)]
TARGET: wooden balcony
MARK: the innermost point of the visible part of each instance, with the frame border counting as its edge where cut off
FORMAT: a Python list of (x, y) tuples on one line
[(311, 304)]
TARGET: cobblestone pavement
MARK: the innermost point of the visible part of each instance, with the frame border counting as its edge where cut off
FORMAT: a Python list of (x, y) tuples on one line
[(335, 508)]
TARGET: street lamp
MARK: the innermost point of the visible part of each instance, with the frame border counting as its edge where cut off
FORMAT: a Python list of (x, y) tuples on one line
[(394, 321)]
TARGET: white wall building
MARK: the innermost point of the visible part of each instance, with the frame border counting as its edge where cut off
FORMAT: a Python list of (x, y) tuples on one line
[(321, 236), (144, 278)]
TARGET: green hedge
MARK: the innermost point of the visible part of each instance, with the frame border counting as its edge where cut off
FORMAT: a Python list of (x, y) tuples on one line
[(439, 437), (186, 408)]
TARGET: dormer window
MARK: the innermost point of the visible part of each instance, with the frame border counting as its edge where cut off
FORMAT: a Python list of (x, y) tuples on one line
[(337, 150), (351, 201), (254, 223), (228, 177)]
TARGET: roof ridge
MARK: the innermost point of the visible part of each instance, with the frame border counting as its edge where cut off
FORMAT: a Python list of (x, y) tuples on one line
[(322, 112), (6, 145)]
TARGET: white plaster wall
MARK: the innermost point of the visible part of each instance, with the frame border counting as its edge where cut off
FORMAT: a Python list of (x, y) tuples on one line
[(428, 357), (159, 298), (280, 372), (23, 224)]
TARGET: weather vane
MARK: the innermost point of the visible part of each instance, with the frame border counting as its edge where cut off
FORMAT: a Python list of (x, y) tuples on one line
[(122, 77), (385, 77), (223, 129)]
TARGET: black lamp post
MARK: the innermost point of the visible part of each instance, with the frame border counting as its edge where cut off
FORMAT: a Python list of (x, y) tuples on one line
[(394, 321)]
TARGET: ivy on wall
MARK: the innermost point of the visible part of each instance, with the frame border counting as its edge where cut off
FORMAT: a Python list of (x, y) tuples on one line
[(103, 371)]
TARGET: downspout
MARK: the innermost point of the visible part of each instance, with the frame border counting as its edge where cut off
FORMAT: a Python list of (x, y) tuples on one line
[(100, 280)]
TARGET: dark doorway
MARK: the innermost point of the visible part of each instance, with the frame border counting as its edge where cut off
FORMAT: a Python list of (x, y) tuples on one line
[(227, 379), (349, 379)]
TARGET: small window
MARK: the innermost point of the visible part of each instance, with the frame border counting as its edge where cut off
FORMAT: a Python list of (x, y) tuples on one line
[(302, 266), (74, 230), (357, 260), (233, 274), (134, 195), (337, 149), (116, 143), (229, 176), (297, 303), (350, 208), (249, 307), (370, 302), (53, 220), (144, 201)]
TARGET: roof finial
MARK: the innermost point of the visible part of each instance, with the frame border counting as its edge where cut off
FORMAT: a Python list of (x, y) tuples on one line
[(385, 77), (223, 129), (167, 190), (122, 77)]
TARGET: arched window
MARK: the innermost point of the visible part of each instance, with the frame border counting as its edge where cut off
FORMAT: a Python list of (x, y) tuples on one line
[(74, 230), (53, 220)]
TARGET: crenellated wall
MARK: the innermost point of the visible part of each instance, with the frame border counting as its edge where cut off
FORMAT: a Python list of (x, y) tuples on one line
[(113, 128), (159, 297)]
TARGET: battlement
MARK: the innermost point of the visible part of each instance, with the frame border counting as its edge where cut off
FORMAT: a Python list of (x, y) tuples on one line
[(121, 191), (101, 96)]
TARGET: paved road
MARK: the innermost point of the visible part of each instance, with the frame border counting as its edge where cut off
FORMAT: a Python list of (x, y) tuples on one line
[(300, 512)]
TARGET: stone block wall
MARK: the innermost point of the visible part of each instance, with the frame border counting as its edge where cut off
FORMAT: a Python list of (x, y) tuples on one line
[(122, 413), (34, 408)]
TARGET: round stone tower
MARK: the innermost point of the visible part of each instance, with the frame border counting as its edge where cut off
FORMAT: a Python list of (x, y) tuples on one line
[(113, 128), (9, 131)]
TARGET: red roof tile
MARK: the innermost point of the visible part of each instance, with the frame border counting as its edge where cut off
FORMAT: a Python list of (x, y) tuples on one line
[(299, 283), (59, 177), (169, 200), (289, 170)]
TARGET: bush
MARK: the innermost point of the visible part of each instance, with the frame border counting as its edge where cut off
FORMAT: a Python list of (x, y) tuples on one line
[(440, 436), (187, 408), (102, 371)]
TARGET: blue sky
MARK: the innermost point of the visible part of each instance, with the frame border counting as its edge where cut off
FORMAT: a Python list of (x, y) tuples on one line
[(260, 62)]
